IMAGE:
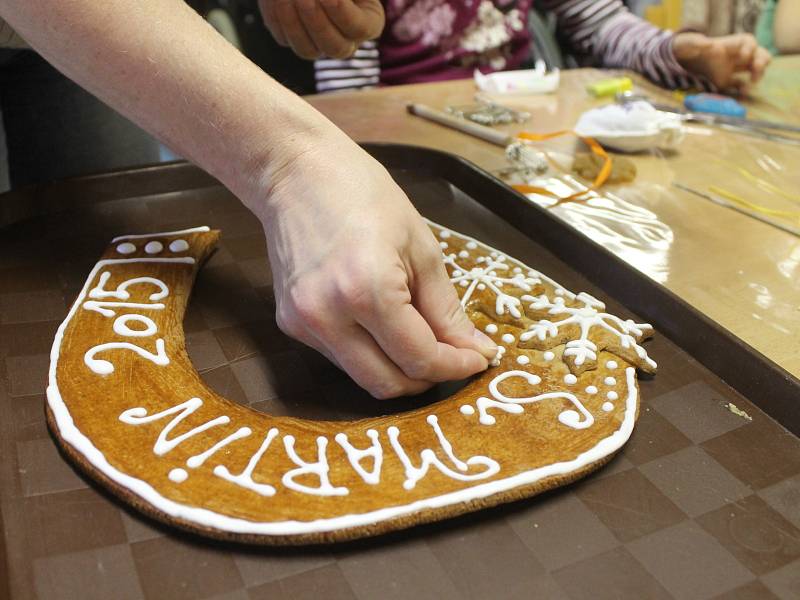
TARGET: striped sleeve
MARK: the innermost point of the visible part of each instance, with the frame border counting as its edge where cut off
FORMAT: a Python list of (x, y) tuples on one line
[(360, 71), (608, 32)]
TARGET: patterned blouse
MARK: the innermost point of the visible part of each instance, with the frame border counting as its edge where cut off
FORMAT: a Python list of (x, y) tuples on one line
[(434, 40)]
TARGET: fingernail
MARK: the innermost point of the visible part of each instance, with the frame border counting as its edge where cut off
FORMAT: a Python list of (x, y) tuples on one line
[(488, 347)]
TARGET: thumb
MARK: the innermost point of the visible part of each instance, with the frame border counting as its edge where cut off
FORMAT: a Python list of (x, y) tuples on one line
[(436, 300)]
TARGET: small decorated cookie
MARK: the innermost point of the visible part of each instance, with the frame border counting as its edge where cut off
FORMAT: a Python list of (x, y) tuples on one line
[(127, 406)]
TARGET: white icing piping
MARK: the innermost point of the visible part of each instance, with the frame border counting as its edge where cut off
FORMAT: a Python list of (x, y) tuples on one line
[(198, 459), (245, 478), (139, 416), (560, 289), (141, 236), (204, 517), (356, 455), (98, 306), (122, 293), (319, 468), (106, 367), (429, 458), (511, 404)]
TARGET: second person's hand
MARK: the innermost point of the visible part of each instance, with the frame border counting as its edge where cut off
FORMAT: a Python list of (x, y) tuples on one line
[(733, 63), (315, 28)]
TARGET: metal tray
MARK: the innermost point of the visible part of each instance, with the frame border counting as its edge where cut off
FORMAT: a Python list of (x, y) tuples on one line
[(694, 479)]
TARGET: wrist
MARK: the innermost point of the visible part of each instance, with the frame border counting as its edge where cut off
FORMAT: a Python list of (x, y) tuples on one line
[(301, 157), (277, 144)]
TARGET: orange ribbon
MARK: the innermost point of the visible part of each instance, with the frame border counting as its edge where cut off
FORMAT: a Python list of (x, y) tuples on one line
[(596, 148)]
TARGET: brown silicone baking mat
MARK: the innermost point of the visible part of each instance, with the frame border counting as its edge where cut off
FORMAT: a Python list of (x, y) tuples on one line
[(701, 503)]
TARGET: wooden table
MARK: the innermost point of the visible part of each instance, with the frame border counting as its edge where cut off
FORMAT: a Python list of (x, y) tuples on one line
[(743, 274)]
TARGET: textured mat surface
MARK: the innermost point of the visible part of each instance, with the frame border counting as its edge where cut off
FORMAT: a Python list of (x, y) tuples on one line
[(701, 502)]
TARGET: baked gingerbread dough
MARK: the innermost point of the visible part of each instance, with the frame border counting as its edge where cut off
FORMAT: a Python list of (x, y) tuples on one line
[(128, 408)]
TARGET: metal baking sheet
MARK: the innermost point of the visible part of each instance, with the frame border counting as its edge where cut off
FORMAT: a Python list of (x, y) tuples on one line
[(701, 502), (745, 369)]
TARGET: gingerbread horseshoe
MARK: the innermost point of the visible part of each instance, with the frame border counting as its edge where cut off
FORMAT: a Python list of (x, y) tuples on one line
[(127, 406)]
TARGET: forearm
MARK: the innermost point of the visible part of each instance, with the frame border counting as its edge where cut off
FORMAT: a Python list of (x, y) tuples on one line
[(630, 42), (608, 33), (161, 65)]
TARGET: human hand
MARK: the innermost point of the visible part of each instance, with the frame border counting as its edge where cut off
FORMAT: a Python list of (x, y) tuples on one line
[(359, 276), (314, 28), (722, 60)]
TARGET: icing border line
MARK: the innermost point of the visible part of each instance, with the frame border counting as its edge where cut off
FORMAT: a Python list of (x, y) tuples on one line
[(141, 236), (207, 518)]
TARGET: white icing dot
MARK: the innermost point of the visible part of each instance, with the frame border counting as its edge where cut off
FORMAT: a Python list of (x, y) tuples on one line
[(457, 273), (559, 292), (472, 245), (463, 283), (517, 270), (466, 409), (591, 390), (610, 381), (153, 247), (463, 254), (570, 379), (126, 248), (444, 234), (178, 475), (481, 286), (480, 259), (501, 349), (612, 364), (523, 360), (491, 328), (607, 406), (443, 245), (508, 338), (493, 254), (178, 246), (612, 395), (549, 355)]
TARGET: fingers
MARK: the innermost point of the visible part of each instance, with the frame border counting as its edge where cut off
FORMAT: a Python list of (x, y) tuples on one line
[(741, 48), (324, 34), (747, 55), (377, 335), (363, 359), (270, 17), (437, 302), (375, 292), (407, 339), (313, 28), (761, 59), (358, 21), (350, 347), (296, 34)]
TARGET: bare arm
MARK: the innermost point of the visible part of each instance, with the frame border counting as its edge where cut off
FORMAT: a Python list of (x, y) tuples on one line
[(160, 64), (787, 26), (357, 273)]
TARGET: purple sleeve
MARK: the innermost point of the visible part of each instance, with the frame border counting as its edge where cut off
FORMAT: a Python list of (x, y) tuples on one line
[(606, 31)]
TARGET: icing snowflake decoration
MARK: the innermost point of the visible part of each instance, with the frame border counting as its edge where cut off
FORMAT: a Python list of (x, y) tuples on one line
[(487, 277), (537, 311), (586, 317)]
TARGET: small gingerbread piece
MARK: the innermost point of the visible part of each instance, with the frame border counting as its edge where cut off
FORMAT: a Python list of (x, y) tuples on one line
[(127, 406), (588, 165)]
